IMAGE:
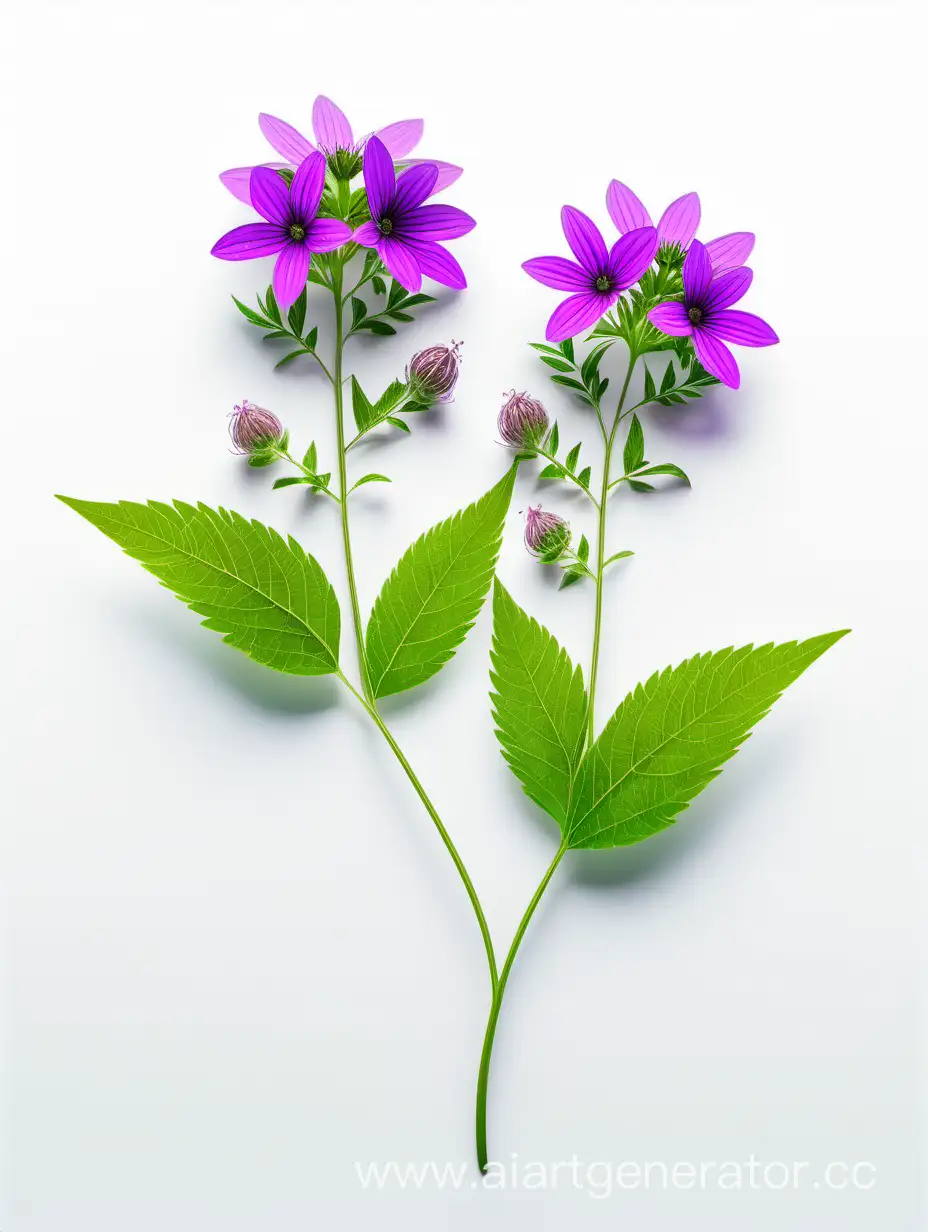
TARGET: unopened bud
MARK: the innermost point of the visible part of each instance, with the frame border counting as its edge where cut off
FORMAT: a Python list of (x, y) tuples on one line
[(522, 421), (253, 428), (546, 534), (433, 373)]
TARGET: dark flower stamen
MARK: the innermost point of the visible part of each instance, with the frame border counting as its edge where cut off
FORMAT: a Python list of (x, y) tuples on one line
[(297, 231), (385, 226), (603, 283), (695, 315)]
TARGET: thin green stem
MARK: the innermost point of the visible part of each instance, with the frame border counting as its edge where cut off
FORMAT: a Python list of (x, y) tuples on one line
[(601, 550), (371, 708), (483, 1077)]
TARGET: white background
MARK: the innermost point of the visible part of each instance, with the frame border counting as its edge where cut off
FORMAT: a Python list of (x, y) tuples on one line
[(236, 958)]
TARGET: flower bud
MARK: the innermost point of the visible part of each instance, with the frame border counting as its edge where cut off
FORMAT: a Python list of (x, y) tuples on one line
[(433, 373), (253, 428), (522, 421), (546, 534)]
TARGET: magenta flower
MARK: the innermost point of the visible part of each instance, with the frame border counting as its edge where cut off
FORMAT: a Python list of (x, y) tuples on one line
[(292, 228), (706, 315), (599, 278), (677, 226), (334, 137), (403, 230)]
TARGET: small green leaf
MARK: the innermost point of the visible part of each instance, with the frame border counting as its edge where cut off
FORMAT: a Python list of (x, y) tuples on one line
[(670, 378), (617, 556), (379, 285), (572, 574), (571, 460), (269, 597), (288, 359), (583, 549), (263, 457), (358, 311), (649, 387), (570, 383), (559, 365), (381, 328), (665, 468), (311, 458), (371, 478), (254, 317), (585, 475), (670, 738), (391, 397), (272, 310), (633, 456), (553, 440), (567, 348), (553, 470), (312, 337), (637, 486), (297, 314), (290, 480), (397, 423), (363, 411)]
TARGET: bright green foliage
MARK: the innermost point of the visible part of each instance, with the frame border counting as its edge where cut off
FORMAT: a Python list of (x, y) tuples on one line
[(266, 595), (435, 593), (670, 738), (539, 706)]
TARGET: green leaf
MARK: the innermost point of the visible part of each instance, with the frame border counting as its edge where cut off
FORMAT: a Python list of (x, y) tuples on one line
[(254, 317), (633, 456), (397, 423), (371, 478), (312, 337), (665, 468), (567, 348), (311, 457), (636, 485), (617, 556), (378, 284), (391, 397), (672, 735), (380, 327), (559, 365), (670, 378), (296, 317), (553, 470), (572, 574), (583, 549), (435, 593), (585, 475), (288, 359), (649, 387), (553, 440), (263, 457), (571, 460), (589, 370), (570, 383), (539, 706), (269, 597), (358, 311), (364, 415), (290, 480), (273, 311)]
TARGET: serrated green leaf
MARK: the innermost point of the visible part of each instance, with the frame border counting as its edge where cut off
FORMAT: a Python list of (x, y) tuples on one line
[(539, 706), (633, 456), (435, 593), (672, 735), (571, 460), (373, 477), (364, 415), (264, 593)]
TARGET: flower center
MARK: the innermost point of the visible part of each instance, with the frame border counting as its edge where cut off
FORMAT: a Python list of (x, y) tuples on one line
[(603, 283), (297, 231), (344, 164), (695, 315), (385, 226)]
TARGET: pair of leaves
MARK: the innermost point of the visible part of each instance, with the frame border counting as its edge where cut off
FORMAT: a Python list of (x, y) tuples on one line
[(369, 414), (583, 379), (692, 383), (662, 746), (270, 318), (317, 481), (561, 470), (397, 308), (635, 464)]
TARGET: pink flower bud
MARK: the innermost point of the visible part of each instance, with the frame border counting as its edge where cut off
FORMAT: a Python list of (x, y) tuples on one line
[(546, 534), (433, 373), (522, 421), (253, 428)]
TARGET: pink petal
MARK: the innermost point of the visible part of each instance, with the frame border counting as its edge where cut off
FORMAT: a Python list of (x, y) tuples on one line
[(307, 186), (697, 273), (285, 139), (679, 221), (367, 235), (631, 256), (325, 234), (238, 182), (625, 210), (558, 272), (290, 272), (401, 137), (438, 263), (269, 195), (331, 126), (730, 251), (399, 260), (255, 239), (413, 186), (379, 176), (447, 172), (437, 222), (742, 327), (584, 238), (727, 289), (716, 358), (575, 314), (671, 318)]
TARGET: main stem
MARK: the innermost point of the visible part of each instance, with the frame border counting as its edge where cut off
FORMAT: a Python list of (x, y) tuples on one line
[(367, 699), (483, 1076)]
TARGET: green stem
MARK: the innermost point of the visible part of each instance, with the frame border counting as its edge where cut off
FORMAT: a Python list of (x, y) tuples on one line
[(483, 1077), (601, 550)]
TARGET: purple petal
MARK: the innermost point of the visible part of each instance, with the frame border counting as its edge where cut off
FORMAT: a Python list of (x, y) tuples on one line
[(447, 172), (558, 272), (331, 126), (742, 327), (307, 186), (730, 251), (285, 139), (575, 314), (625, 210), (401, 137), (679, 221), (379, 177), (437, 222), (631, 256), (727, 289), (671, 318), (584, 238), (324, 234), (437, 262), (269, 195), (255, 239), (413, 186), (367, 235), (716, 358), (697, 273), (399, 260), (238, 182), (290, 274)]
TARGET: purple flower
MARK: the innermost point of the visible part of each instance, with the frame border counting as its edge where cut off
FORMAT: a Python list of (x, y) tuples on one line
[(706, 315), (292, 228), (433, 373), (522, 421), (253, 428), (599, 278), (336, 140), (677, 226), (403, 230), (546, 534)]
